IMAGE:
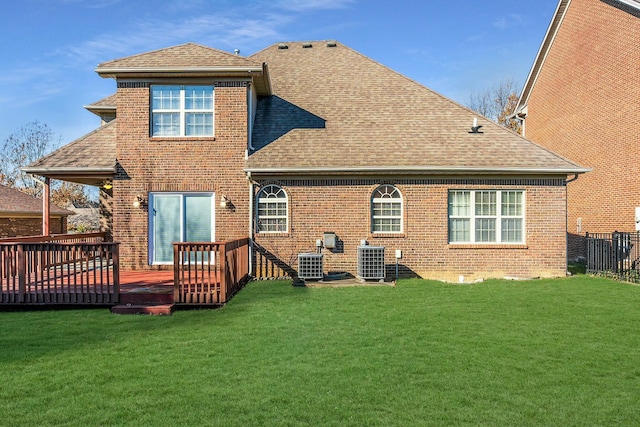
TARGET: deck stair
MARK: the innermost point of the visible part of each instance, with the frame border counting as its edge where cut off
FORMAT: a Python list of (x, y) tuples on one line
[(157, 309), (149, 298)]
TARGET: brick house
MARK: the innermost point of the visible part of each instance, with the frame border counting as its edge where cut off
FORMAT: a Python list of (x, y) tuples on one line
[(302, 139), (582, 100), (21, 215)]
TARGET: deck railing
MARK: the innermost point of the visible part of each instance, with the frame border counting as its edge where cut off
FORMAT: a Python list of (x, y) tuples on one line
[(61, 269), (209, 273)]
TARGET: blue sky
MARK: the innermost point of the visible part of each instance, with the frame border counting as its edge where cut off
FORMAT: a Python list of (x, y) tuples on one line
[(50, 48)]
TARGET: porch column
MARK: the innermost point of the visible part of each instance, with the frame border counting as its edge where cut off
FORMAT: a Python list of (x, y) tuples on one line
[(46, 197)]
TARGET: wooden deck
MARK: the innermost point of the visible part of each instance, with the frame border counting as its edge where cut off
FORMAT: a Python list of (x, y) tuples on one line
[(51, 270)]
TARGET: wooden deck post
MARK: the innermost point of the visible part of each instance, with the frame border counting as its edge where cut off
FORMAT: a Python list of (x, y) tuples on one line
[(46, 205), (116, 271), (223, 273), (22, 274), (176, 273)]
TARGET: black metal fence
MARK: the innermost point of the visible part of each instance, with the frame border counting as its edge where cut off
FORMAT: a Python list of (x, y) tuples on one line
[(615, 255)]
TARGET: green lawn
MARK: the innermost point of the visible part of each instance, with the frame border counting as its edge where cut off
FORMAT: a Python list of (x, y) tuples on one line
[(547, 352)]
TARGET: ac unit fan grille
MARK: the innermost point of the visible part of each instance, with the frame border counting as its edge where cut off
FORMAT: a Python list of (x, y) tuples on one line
[(310, 266), (371, 262)]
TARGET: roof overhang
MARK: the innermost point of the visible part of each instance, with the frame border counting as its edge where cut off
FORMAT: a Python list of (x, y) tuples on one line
[(259, 74), (414, 170), (27, 214), (81, 175), (549, 37)]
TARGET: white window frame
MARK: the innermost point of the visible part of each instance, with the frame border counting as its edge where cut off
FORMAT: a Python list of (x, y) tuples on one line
[(498, 217), (182, 111), (274, 191), (386, 193)]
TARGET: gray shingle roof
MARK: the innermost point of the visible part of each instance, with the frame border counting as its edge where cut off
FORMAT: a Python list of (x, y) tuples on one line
[(334, 108), (13, 201)]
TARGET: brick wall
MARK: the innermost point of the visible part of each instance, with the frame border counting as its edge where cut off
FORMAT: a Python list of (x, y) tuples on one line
[(15, 227), (148, 164), (585, 106), (343, 207)]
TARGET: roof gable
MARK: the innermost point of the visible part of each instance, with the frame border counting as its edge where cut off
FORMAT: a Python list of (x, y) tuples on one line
[(181, 56)]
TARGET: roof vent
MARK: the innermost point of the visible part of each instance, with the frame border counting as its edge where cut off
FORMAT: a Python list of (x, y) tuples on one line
[(236, 51), (332, 44), (475, 128), (282, 46), (307, 45)]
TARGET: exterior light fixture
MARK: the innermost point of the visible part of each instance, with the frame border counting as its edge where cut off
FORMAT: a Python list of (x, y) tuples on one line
[(224, 201), (107, 185), (139, 202)]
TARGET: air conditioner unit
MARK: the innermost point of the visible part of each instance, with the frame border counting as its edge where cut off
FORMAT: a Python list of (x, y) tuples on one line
[(371, 262), (310, 266)]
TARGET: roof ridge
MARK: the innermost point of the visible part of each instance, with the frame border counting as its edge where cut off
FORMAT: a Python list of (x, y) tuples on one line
[(155, 51)]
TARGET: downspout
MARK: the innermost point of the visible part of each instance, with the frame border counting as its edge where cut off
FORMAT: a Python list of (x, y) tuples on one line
[(250, 117), (520, 116), (251, 190)]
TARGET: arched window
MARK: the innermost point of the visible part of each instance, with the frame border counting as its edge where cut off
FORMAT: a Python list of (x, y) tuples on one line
[(386, 210), (272, 210)]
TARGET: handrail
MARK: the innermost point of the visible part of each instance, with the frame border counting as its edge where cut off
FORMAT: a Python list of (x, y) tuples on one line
[(94, 237), (209, 272)]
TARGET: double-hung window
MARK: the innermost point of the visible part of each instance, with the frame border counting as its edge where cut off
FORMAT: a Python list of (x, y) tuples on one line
[(386, 210), (486, 216), (181, 110)]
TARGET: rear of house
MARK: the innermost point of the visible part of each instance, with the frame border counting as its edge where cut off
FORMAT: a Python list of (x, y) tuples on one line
[(312, 147)]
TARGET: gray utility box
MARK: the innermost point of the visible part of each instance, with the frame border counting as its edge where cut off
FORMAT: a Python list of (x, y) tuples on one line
[(371, 262), (310, 266)]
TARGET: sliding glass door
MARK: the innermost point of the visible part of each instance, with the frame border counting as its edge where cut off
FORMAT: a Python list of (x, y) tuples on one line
[(178, 217)]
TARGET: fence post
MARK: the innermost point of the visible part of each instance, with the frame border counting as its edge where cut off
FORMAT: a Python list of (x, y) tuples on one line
[(116, 270), (176, 273)]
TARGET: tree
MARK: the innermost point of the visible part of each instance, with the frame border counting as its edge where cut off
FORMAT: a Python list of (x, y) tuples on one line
[(498, 103), (23, 147), (70, 193)]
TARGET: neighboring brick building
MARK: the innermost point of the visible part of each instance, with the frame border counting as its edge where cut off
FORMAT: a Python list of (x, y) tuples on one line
[(582, 100), (21, 215), (301, 139)]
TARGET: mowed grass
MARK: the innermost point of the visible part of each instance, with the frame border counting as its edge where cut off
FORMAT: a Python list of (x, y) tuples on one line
[(546, 352)]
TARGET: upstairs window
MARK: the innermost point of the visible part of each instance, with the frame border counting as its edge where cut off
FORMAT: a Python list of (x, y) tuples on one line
[(272, 210), (486, 216), (386, 210), (182, 111)]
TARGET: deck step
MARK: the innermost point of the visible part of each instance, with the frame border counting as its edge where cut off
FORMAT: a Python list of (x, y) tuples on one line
[(141, 298), (155, 309)]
